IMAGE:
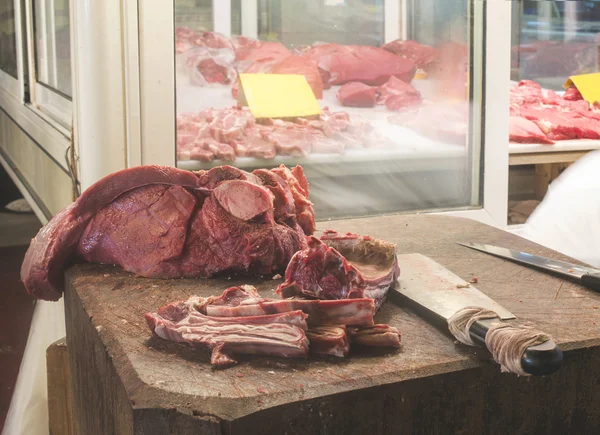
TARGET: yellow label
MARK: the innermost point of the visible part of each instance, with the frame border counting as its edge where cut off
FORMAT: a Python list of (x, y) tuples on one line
[(587, 84), (277, 95)]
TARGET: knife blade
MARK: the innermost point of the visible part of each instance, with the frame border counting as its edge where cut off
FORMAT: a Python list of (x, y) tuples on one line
[(431, 286), (587, 276)]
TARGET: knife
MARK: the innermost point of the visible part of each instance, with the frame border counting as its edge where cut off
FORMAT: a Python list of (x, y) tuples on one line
[(586, 276), (431, 286)]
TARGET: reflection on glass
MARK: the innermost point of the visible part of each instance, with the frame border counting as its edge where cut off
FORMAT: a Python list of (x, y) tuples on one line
[(340, 21), (553, 40), (393, 132), (8, 42), (53, 45)]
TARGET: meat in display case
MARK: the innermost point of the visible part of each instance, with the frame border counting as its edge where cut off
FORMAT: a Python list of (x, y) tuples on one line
[(394, 128)]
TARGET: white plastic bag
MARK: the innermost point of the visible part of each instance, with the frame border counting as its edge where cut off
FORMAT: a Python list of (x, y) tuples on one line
[(28, 413), (568, 219)]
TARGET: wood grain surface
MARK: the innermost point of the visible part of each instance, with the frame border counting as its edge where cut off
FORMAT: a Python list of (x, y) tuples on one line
[(146, 385)]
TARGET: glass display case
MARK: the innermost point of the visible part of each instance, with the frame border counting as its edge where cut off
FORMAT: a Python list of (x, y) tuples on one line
[(398, 84), (412, 116)]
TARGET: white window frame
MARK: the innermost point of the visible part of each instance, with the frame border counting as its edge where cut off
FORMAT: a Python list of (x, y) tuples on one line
[(49, 104), (53, 138)]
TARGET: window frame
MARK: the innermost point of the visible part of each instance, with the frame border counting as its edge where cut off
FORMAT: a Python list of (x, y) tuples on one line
[(49, 103)]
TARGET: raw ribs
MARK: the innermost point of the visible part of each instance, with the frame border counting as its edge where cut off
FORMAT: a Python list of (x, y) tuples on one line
[(245, 301), (241, 321), (164, 222), (272, 335), (342, 266)]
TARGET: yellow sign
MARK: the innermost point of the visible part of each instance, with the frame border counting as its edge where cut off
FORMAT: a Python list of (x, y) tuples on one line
[(587, 84), (277, 95)]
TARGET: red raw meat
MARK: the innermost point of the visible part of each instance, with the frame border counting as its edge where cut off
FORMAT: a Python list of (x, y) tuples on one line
[(214, 40), (320, 312), (360, 63), (303, 66), (356, 94), (396, 94), (135, 219), (559, 125), (290, 141), (252, 144), (421, 55), (273, 335), (525, 131), (572, 94), (229, 124), (328, 340), (375, 336), (298, 185), (326, 269), (245, 55)]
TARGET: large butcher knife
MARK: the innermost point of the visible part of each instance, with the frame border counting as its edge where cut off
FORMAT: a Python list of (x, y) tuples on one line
[(442, 293)]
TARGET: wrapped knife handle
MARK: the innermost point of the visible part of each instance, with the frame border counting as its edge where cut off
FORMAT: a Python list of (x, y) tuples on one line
[(591, 281), (542, 359)]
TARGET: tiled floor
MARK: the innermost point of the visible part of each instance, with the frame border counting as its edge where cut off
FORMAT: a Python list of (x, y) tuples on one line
[(16, 306)]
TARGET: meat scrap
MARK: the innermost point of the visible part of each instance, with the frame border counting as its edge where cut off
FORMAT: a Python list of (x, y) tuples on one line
[(165, 222), (396, 94), (375, 336), (356, 94), (272, 335), (342, 266), (329, 340)]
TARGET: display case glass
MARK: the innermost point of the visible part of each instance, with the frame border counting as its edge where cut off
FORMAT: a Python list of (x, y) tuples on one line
[(398, 84), (8, 41), (553, 40)]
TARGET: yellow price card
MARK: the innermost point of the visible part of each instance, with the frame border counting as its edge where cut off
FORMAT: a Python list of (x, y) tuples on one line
[(277, 95), (587, 84)]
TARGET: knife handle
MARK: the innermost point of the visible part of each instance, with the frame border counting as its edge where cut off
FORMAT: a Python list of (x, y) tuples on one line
[(591, 281), (542, 359)]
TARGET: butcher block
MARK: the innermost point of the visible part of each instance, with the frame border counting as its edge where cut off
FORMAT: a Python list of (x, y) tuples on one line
[(126, 381)]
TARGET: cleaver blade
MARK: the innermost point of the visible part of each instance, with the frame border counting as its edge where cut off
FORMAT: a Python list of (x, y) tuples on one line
[(432, 286)]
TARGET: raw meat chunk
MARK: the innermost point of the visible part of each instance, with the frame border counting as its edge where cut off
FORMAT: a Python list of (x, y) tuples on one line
[(396, 94), (166, 223), (525, 131), (573, 94), (421, 55), (245, 301), (360, 63), (356, 94), (245, 55), (328, 340), (342, 266), (375, 336)]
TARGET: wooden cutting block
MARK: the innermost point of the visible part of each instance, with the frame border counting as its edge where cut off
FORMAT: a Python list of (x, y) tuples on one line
[(125, 381)]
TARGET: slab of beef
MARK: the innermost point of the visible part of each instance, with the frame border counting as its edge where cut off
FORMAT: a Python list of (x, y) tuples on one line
[(562, 125), (421, 55), (245, 55), (166, 223), (342, 266), (210, 67), (360, 63), (356, 94), (272, 335), (524, 131), (328, 340), (375, 336), (397, 94), (245, 301)]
